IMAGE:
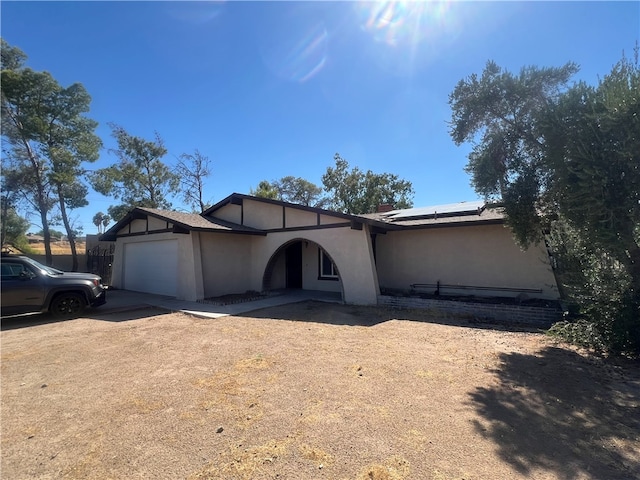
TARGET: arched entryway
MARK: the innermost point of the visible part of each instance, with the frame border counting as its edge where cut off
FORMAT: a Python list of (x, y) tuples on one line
[(302, 264)]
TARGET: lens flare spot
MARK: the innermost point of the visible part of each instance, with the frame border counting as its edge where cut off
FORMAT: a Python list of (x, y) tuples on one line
[(197, 13), (297, 57), (397, 23)]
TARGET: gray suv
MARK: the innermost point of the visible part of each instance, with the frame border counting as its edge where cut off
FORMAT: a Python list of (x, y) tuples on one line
[(28, 286)]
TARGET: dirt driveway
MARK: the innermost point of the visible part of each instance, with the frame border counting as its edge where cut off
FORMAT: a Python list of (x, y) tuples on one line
[(308, 391)]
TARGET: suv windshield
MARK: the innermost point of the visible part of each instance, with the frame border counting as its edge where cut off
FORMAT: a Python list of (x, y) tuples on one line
[(39, 266)]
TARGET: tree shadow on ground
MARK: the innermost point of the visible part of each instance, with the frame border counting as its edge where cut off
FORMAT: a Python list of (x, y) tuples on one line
[(558, 411)]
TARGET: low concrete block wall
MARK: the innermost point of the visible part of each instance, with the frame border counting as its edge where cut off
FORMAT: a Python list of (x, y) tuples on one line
[(542, 317), (63, 262)]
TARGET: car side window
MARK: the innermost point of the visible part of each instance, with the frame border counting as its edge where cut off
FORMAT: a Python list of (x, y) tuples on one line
[(12, 270)]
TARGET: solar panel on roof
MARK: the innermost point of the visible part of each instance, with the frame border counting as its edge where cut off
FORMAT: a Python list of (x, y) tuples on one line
[(460, 208)]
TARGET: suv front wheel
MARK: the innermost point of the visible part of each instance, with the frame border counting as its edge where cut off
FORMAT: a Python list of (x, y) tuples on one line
[(67, 305)]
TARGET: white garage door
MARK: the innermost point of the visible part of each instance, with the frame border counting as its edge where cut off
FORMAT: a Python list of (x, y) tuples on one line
[(151, 267)]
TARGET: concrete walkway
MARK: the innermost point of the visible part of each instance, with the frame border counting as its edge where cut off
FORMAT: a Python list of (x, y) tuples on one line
[(123, 300)]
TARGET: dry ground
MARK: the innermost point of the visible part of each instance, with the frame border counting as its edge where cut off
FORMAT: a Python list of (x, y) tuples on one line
[(58, 248), (308, 391)]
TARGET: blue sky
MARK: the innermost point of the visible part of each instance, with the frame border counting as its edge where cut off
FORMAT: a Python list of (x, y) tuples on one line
[(268, 89)]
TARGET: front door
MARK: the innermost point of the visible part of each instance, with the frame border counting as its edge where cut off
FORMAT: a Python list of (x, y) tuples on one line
[(293, 257)]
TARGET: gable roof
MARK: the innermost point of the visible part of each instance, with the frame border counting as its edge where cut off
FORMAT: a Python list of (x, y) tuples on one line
[(195, 221), (237, 198), (449, 215), (185, 221)]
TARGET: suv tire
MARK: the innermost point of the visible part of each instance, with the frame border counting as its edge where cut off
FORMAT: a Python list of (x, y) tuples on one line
[(67, 305)]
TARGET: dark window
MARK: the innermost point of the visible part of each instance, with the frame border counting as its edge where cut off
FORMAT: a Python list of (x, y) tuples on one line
[(328, 270), (12, 270)]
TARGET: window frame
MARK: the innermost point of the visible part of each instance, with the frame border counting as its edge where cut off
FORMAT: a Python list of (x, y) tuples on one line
[(333, 275)]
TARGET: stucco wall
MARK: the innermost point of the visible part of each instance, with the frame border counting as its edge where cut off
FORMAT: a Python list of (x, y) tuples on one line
[(268, 216), (480, 255), (230, 213), (262, 215), (299, 218), (311, 270), (214, 264), (192, 287), (279, 272), (226, 263), (156, 223), (349, 249), (328, 220), (189, 285), (137, 225)]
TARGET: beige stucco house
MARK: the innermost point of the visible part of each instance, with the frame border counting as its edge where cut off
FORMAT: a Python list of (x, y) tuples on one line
[(245, 243)]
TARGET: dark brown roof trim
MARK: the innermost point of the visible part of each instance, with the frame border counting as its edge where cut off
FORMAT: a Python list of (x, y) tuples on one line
[(237, 198), (309, 227), (217, 225)]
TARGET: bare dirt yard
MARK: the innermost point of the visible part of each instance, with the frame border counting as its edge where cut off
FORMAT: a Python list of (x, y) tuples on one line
[(308, 391)]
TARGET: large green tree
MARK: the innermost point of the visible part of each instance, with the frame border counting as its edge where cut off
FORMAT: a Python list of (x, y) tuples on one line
[(266, 189), (354, 191), (565, 159), (292, 189), (57, 234), (139, 178), (13, 227), (500, 114), (70, 140), (11, 58), (593, 149), (303, 192), (49, 138), (23, 165)]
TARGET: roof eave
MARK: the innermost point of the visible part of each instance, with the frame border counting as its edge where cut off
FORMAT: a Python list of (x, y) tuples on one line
[(235, 198), (139, 212), (490, 221), (111, 234)]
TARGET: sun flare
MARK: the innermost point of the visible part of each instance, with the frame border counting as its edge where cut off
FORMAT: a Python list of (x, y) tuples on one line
[(398, 23), (407, 35)]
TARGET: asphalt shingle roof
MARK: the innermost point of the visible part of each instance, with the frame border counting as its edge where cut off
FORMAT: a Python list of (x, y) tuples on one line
[(195, 221), (464, 213)]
